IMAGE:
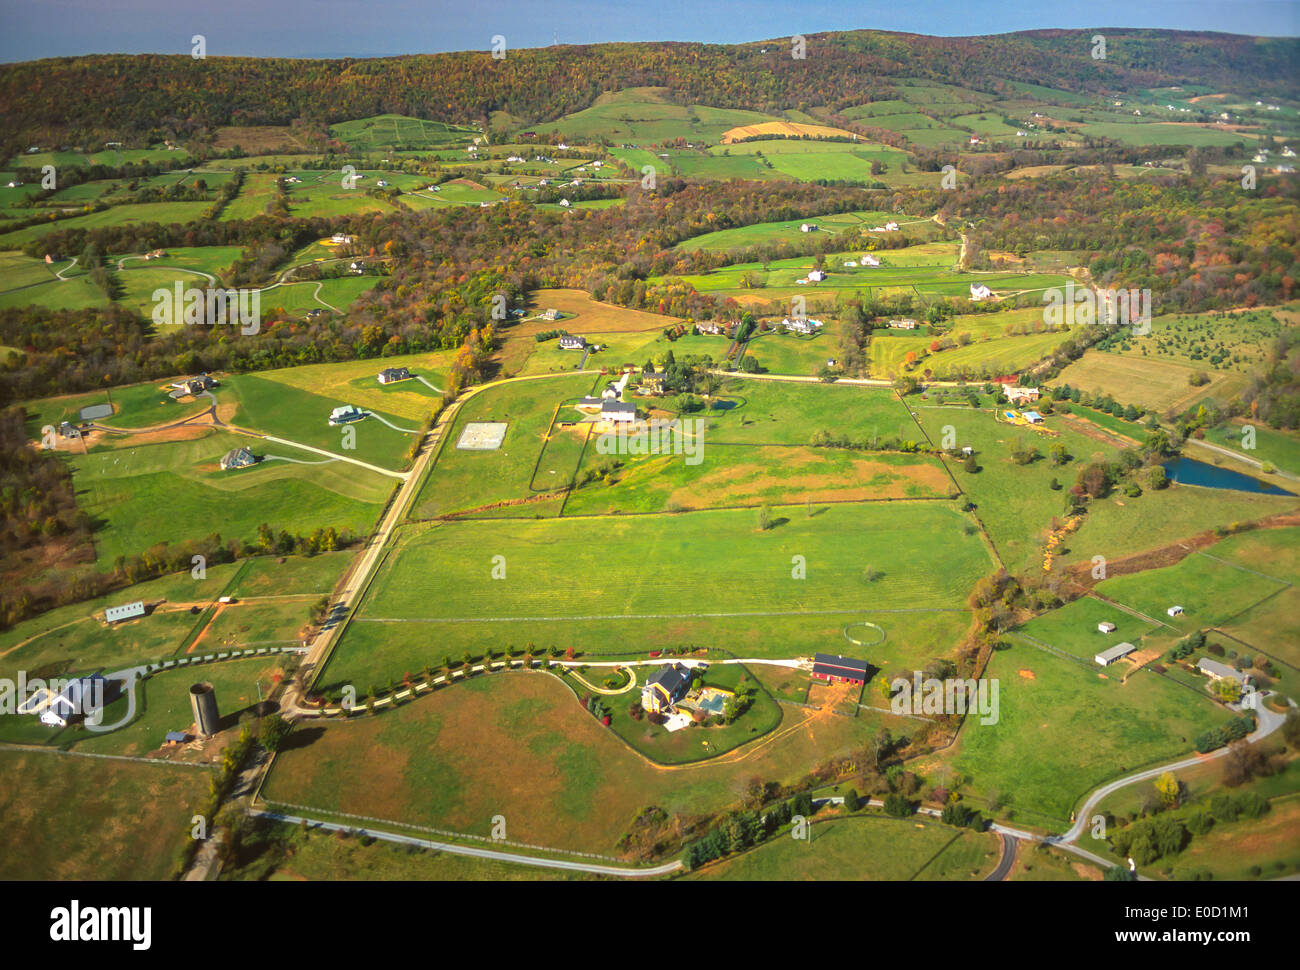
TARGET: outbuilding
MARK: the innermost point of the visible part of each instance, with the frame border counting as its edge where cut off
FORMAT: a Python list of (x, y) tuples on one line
[(1110, 655), (839, 670)]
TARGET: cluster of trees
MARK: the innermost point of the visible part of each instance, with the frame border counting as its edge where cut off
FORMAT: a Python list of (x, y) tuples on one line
[(1234, 730), (1164, 835), (90, 99), (744, 829)]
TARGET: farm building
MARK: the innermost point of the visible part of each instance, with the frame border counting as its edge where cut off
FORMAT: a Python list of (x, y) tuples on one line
[(565, 204), (839, 670), (1175, 611), (907, 323), (1017, 394), (1106, 626), (69, 430), (1111, 654), (391, 375), (1219, 671), (237, 458), (346, 414), (869, 260), (808, 227), (339, 239), (710, 327), (978, 292), (81, 698), (666, 687), (590, 402), (1033, 417), (571, 342), (618, 412), (816, 276), (612, 391), (127, 611)]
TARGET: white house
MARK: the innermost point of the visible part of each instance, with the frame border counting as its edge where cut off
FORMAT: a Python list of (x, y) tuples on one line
[(808, 227), (391, 375), (1288, 151), (979, 292), (564, 203), (1106, 627), (81, 697), (346, 414), (816, 276), (907, 323), (869, 260), (237, 458), (1017, 394), (572, 342), (801, 325), (562, 147), (382, 183)]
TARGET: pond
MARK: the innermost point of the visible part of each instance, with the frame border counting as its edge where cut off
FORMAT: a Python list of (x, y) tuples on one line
[(1189, 471)]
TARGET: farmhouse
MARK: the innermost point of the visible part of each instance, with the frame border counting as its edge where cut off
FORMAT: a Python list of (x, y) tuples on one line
[(618, 412), (1218, 671), (564, 203), (572, 342), (710, 327), (666, 687), (81, 698), (839, 670), (550, 314), (357, 266), (69, 430), (612, 392), (1106, 626), (905, 324), (127, 611), (391, 375), (195, 385), (979, 292), (346, 414), (1018, 394), (816, 276), (653, 383), (869, 260), (808, 227), (803, 325), (237, 458), (1111, 654)]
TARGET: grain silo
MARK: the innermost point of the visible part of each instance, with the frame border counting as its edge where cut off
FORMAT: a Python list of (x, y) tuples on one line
[(203, 699)]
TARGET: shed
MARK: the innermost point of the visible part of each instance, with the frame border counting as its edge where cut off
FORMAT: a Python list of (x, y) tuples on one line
[(127, 611), (1105, 626), (1111, 654)]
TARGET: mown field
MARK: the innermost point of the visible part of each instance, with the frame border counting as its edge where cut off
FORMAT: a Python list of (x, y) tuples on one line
[(640, 564), (60, 811), (1065, 728), (522, 746), (865, 847)]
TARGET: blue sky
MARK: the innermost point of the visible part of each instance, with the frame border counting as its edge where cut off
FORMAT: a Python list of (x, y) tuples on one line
[(372, 28)]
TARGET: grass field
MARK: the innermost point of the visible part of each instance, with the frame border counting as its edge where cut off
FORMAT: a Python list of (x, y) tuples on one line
[(521, 745), (865, 847), (358, 383), (1064, 728), (647, 561), (768, 233), (122, 488), (643, 116), (60, 811), (399, 132), (277, 408)]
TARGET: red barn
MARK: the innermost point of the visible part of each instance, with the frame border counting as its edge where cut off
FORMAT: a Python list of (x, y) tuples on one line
[(839, 670)]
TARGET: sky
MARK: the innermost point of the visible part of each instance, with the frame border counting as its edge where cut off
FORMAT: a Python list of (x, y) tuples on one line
[(375, 28)]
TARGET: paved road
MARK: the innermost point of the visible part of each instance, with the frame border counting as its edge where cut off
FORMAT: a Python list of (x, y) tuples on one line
[(1009, 845), (494, 854)]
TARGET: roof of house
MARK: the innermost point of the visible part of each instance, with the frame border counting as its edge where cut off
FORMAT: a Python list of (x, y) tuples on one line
[(81, 696), (237, 454), (617, 407), (837, 666), (394, 372), (1208, 666), (673, 678)]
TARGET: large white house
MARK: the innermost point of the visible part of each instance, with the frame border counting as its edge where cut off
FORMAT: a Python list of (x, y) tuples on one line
[(801, 325), (816, 276), (978, 292), (1017, 394)]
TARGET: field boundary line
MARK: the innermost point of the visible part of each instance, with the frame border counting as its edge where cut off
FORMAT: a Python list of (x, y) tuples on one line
[(638, 616), (25, 748)]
